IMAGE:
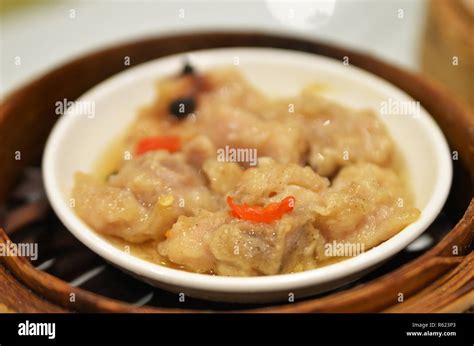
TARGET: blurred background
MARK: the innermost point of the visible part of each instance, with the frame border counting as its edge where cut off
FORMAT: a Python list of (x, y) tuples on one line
[(434, 37)]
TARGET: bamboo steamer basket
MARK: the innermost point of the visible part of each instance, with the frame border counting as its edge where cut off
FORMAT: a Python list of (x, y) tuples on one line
[(438, 279), (447, 53)]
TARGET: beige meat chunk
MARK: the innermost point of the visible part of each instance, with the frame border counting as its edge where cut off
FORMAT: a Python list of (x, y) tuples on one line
[(234, 114), (286, 245), (270, 178), (223, 176), (199, 149), (217, 243), (229, 86), (229, 126), (116, 212), (144, 198), (366, 204), (230, 246), (339, 136), (159, 173), (244, 248), (188, 241)]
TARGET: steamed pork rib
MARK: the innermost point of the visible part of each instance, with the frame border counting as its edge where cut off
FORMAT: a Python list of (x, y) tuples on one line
[(339, 136), (225, 245), (188, 241), (322, 174), (271, 179), (242, 248), (218, 244), (229, 112), (366, 204), (112, 210), (144, 198), (198, 150), (236, 128), (222, 176)]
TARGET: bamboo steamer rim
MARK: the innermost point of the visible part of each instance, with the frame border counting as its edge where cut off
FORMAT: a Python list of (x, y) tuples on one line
[(454, 20), (455, 120)]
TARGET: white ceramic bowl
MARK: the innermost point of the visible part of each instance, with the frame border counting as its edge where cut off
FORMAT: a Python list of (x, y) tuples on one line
[(78, 139)]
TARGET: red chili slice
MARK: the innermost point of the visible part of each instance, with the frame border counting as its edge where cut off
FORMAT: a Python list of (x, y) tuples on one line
[(169, 143), (267, 214)]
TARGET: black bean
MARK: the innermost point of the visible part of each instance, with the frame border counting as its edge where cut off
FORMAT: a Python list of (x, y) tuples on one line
[(182, 107), (187, 69)]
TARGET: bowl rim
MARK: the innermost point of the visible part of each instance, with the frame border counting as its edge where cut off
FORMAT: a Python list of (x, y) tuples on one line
[(225, 284)]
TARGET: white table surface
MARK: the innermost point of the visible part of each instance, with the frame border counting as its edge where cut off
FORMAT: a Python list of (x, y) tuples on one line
[(43, 34)]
